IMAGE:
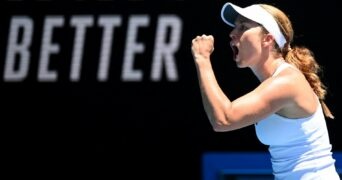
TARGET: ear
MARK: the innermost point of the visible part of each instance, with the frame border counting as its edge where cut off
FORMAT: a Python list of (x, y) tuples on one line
[(268, 40)]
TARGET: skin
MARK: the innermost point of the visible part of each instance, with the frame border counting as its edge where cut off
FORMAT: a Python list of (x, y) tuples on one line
[(287, 94)]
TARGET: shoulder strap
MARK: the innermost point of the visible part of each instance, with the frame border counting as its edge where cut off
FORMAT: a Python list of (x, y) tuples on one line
[(281, 67)]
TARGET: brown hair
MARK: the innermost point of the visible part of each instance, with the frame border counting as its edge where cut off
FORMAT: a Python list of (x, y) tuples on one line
[(301, 57)]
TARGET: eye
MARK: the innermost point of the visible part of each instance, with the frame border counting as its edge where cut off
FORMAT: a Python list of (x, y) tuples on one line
[(242, 27)]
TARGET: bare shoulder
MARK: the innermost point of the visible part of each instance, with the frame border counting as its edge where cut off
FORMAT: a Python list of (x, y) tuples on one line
[(292, 81), (289, 80), (284, 84), (284, 94), (283, 89), (292, 89)]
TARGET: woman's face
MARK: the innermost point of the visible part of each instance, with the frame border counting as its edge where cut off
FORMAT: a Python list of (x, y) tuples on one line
[(246, 41)]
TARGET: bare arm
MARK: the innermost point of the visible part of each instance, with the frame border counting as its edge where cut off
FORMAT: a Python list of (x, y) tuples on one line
[(227, 115)]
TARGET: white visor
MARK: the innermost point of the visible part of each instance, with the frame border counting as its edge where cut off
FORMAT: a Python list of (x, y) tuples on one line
[(257, 14)]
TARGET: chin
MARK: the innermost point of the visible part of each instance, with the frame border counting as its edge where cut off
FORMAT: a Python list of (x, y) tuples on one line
[(239, 64)]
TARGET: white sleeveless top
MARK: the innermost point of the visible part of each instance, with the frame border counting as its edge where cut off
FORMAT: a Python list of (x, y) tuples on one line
[(300, 148)]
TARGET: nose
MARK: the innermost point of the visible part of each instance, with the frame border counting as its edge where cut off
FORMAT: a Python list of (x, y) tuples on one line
[(233, 34)]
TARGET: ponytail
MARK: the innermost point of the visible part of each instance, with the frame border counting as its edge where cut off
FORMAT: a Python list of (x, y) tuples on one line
[(304, 60)]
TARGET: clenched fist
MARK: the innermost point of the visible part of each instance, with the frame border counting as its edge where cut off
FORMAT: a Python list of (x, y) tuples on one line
[(202, 47)]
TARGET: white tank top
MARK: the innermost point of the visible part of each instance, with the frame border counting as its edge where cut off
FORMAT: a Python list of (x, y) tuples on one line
[(300, 148)]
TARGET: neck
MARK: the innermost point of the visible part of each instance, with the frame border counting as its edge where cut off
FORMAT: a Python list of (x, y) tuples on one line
[(267, 69)]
